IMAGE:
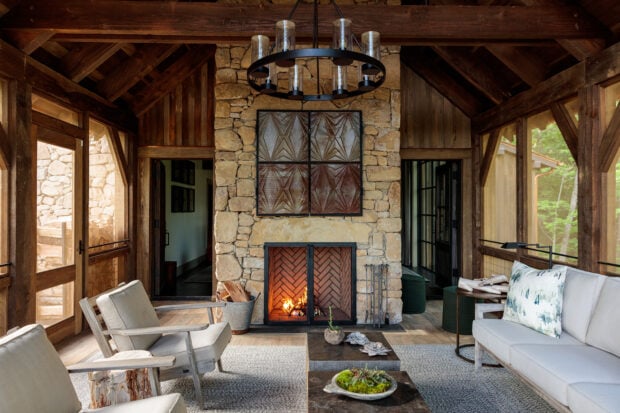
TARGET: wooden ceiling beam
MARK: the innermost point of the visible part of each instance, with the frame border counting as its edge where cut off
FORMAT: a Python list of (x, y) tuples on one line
[(84, 59), (479, 75), (130, 72), (397, 24), (195, 57), (29, 41), (449, 87), (489, 155), (567, 127), (525, 65)]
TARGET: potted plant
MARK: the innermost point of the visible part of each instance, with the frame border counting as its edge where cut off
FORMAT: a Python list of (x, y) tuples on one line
[(333, 334)]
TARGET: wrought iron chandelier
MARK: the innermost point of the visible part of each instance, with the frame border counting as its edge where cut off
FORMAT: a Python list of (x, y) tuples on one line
[(266, 59)]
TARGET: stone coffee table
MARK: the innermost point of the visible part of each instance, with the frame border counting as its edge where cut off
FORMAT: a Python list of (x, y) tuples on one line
[(324, 356), (406, 398)]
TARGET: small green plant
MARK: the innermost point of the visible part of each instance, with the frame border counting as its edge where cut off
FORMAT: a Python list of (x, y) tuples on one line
[(330, 323), (365, 381)]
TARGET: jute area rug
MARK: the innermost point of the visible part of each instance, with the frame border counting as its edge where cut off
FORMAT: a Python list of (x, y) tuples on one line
[(273, 379)]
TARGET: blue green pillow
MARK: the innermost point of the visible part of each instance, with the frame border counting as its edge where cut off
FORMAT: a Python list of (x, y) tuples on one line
[(535, 298)]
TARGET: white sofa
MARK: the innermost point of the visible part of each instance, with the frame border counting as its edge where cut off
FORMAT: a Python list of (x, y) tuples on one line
[(578, 372)]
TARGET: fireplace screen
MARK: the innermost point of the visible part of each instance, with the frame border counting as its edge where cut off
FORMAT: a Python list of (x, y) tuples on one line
[(304, 280)]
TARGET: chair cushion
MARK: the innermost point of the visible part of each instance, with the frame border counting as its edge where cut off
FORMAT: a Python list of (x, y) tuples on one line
[(129, 306), (553, 368), (498, 335), (535, 298), (604, 330), (581, 292), (33, 378), (209, 344), (169, 403), (594, 397)]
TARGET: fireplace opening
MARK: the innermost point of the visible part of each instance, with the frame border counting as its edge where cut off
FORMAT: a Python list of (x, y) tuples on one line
[(304, 280)]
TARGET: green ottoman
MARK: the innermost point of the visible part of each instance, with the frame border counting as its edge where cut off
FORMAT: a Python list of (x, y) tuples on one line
[(414, 293), (466, 310)]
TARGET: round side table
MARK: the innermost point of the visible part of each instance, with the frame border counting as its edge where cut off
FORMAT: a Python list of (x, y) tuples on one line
[(477, 295)]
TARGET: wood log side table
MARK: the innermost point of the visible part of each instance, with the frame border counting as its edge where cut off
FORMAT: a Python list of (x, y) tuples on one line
[(406, 398)]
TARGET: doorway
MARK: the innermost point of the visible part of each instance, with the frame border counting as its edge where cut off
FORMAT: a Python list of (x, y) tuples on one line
[(431, 200), (182, 228)]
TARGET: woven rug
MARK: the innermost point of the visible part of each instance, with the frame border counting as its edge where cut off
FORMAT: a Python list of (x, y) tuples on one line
[(273, 379)]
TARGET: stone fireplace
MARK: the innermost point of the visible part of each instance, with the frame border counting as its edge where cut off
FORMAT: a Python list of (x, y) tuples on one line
[(303, 281), (241, 233)]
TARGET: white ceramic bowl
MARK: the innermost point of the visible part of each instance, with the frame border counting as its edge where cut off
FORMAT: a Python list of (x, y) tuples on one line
[(333, 387)]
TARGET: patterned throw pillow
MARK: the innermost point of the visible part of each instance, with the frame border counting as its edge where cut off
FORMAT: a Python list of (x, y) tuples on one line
[(535, 298)]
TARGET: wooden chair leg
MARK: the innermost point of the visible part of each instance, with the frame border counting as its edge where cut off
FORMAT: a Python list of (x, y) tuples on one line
[(194, 368), (219, 365)]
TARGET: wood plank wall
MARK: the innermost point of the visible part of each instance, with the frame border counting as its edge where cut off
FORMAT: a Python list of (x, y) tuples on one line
[(184, 116), (428, 119)]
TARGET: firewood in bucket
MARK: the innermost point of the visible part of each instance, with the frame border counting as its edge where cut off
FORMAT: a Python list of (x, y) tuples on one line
[(236, 291)]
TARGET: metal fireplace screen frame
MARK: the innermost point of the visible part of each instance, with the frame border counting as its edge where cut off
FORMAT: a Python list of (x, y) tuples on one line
[(322, 273)]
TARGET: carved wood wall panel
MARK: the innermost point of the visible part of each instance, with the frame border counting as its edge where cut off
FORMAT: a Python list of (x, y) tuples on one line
[(309, 163)]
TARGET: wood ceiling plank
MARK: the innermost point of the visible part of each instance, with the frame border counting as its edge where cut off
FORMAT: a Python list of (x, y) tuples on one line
[(144, 60), (29, 41), (527, 66), (397, 24), (481, 76), (86, 58), (449, 87), (195, 57)]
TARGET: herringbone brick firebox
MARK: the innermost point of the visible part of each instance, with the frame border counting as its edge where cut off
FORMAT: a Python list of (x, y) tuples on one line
[(304, 280)]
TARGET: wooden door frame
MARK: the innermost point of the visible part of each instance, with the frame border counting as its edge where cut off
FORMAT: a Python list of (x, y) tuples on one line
[(143, 217)]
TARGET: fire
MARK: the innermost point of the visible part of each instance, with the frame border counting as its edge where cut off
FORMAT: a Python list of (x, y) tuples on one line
[(298, 308)]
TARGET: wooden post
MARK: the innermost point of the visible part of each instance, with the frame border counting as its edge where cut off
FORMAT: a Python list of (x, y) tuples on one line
[(589, 191), (477, 203), (23, 206)]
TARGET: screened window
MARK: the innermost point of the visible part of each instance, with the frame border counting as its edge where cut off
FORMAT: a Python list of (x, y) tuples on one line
[(107, 198), (500, 187), (611, 192), (552, 212)]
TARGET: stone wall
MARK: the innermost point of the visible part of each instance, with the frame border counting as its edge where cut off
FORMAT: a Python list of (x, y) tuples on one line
[(240, 234)]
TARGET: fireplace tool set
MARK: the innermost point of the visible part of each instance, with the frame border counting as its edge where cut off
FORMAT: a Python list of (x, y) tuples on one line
[(376, 287)]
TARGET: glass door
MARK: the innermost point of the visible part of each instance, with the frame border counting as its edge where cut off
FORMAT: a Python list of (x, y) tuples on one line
[(58, 225)]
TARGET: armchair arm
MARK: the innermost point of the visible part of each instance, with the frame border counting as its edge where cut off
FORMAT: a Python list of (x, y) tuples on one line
[(122, 364), (159, 330), (209, 305), (482, 308)]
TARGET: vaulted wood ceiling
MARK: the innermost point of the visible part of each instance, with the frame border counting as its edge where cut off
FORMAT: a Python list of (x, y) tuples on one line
[(478, 53)]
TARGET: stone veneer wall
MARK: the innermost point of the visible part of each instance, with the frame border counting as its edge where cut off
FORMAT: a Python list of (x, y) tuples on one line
[(240, 234)]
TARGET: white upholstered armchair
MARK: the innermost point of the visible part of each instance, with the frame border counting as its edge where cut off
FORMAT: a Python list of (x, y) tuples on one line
[(33, 379), (132, 323)]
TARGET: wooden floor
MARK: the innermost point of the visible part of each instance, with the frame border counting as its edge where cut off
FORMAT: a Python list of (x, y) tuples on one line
[(417, 329)]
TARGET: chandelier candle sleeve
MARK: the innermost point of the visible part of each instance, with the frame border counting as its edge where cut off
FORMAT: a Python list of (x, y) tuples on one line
[(260, 49), (342, 40), (285, 40), (339, 80), (295, 82), (371, 46)]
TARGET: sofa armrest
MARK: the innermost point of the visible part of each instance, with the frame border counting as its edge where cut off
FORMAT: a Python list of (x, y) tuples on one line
[(482, 308)]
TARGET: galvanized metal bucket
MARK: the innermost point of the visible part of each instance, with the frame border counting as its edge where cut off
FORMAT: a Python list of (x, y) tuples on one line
[(239, 315)]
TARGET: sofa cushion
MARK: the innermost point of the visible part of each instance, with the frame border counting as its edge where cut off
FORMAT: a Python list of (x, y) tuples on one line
[(581, 292), (33, 378), (604, 329), (498, 335), (553, 368), (126, 307), (594, 397), (535, 298)]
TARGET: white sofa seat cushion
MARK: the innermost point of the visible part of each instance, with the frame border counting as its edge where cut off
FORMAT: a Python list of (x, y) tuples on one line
[(604, 330), (581, 292), (209, 344), (168, 403), (594, 397), (498, 335), (32, 377), (127, 307), (553, 368)]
